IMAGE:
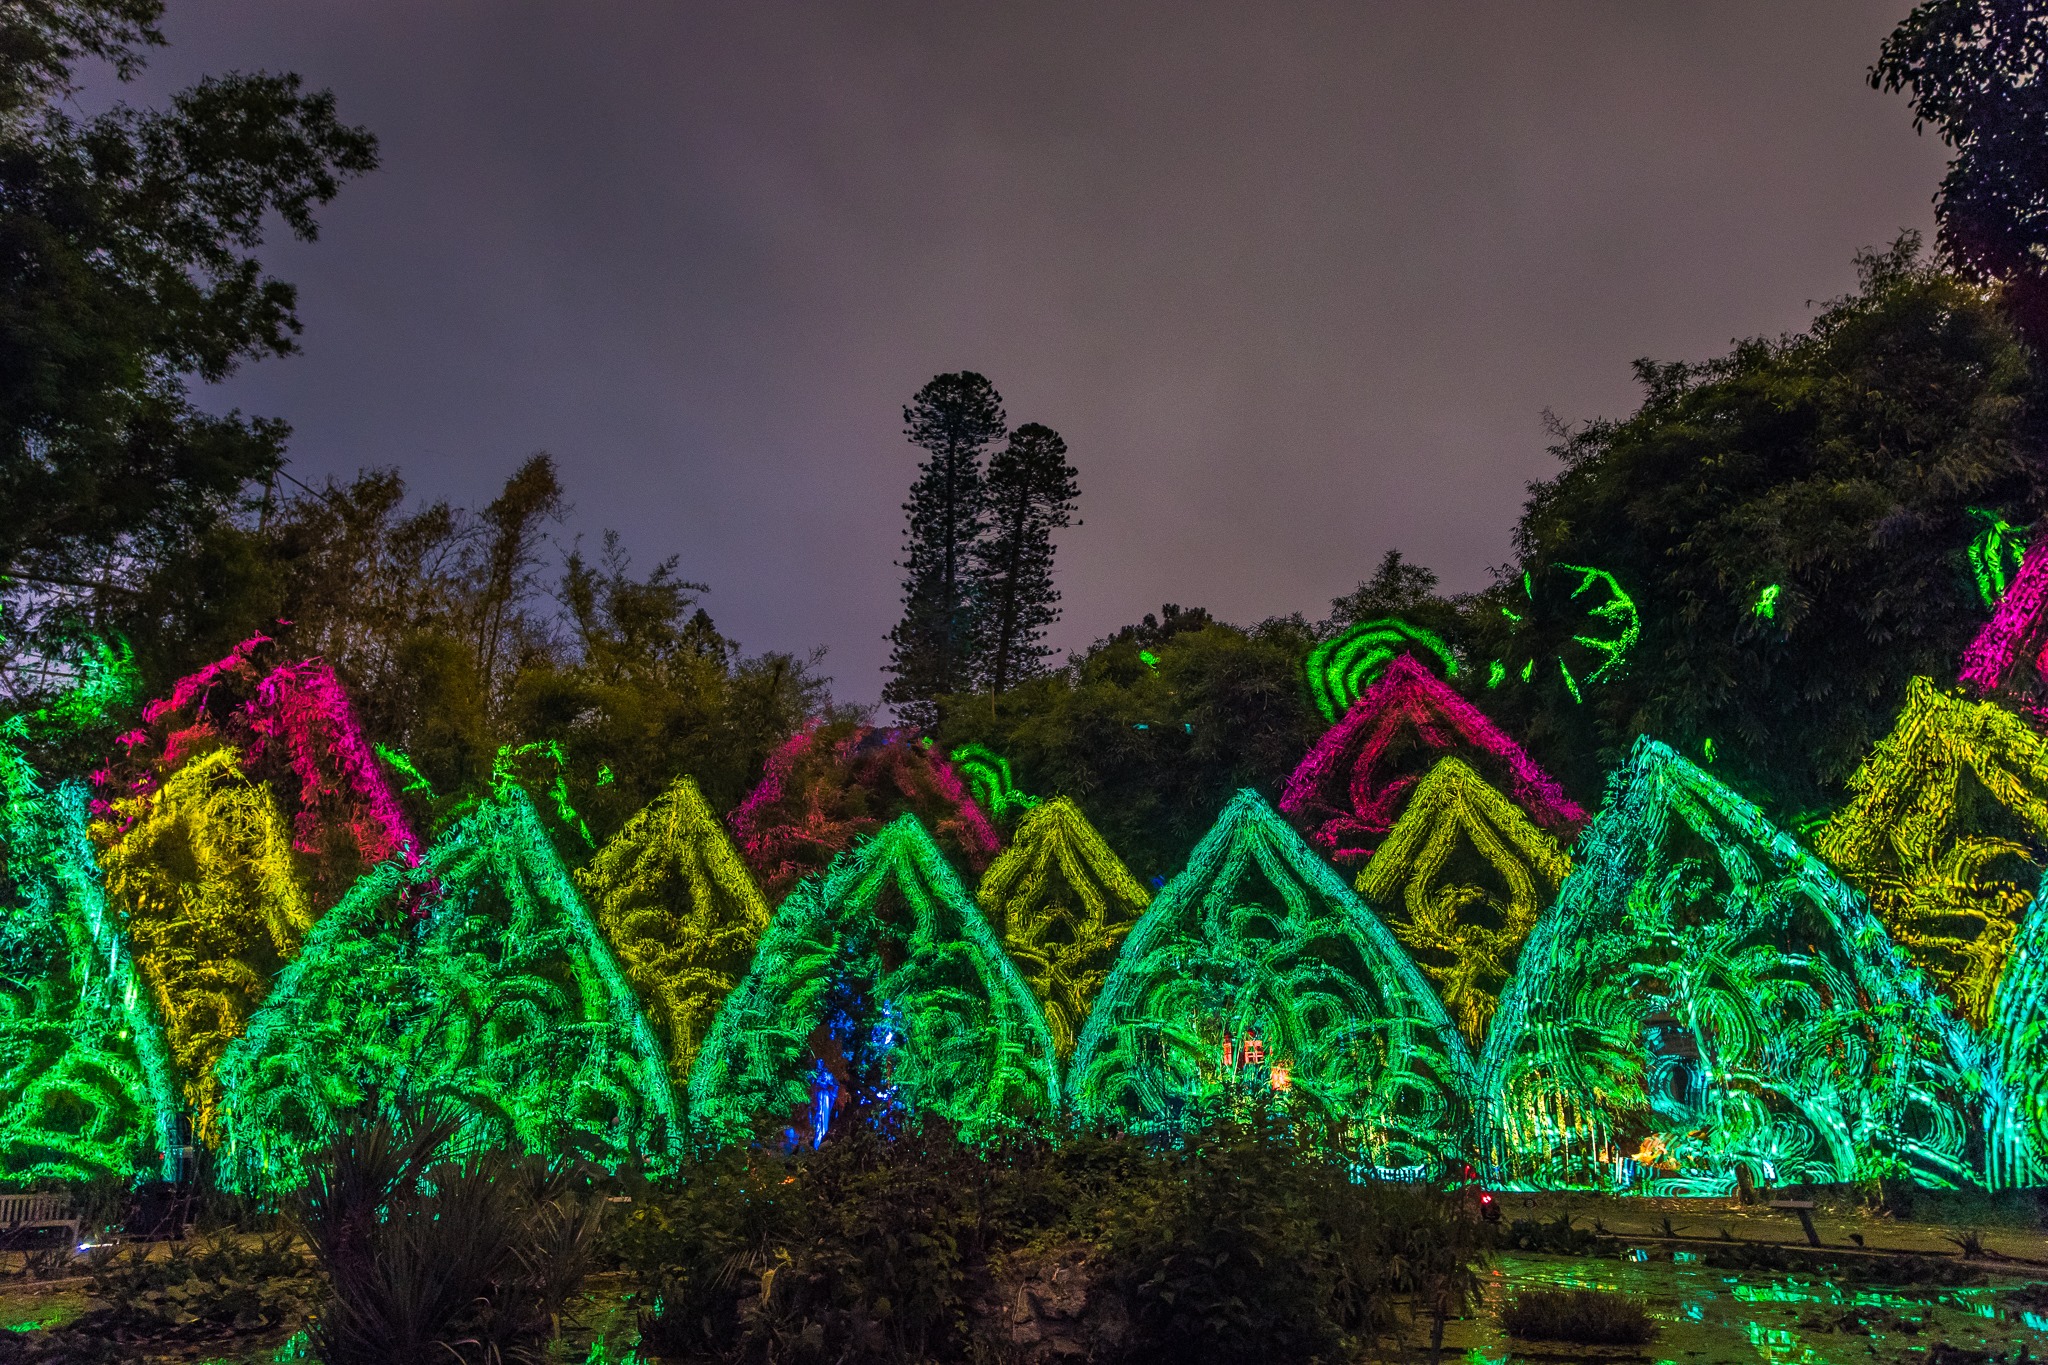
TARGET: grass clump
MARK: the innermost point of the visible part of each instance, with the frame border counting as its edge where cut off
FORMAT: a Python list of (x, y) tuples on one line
[(1585, 1317)]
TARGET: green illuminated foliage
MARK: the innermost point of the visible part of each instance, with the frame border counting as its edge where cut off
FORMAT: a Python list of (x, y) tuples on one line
[(476, 978), (987, 774), (1341, 668), (1996, 555), (201, 870), (1946, 834), (85, 1077), (1705, 993), (1256, 969), (1061, 902), (885, 970), (2018, 1035), (681, 912), (1461, 879)]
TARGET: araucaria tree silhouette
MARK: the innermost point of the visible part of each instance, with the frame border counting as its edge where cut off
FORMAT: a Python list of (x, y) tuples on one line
[(1031, 491), (955, 417)]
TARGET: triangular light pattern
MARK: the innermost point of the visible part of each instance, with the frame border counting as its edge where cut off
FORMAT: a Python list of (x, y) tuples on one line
[(881, 971), (1258, 971), (86, 1091), (1461, 879), (1947, 833), (1707, 995), (1349, 789), (201, 870), (477, 978), (681, 913), (1061, 902)]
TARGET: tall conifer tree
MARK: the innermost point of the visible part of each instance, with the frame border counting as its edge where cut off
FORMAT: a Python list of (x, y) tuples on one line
[(955, 417), (1031, 492)]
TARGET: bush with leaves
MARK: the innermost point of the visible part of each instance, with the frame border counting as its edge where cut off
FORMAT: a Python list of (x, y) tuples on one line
[(1241, 1242), (431, 1253)]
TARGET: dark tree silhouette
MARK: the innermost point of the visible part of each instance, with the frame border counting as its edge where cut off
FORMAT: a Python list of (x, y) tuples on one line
[(1978, 71), (127, 270), (1031, 493), (955, 418)]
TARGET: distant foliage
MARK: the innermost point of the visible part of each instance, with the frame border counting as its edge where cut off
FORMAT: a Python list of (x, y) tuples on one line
[(1840, 466)]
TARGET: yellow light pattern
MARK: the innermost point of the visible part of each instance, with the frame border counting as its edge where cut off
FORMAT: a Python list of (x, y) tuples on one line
[(681, 911), (203, 875), (1461, 880), (1062, 902), (1946, 835)]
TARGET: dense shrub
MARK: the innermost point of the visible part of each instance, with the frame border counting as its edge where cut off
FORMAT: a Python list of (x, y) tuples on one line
[(1241, 1243), (432, 1254)]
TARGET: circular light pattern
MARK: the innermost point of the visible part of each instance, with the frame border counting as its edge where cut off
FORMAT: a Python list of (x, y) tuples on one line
[(1605, 627), (1341, 668)]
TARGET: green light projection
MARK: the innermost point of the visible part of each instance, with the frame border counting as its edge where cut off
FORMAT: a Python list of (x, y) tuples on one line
[(1996, 554), (1340, 669), (1766, 608), (882, 968), (86, 1090), (1461, 879), (202, 872), (988, 776), (681, 912), (477, 977), (1061, 902), (1946, 833), (1706, 993), (1601, 620), (1257, 969), (2018, 1038)]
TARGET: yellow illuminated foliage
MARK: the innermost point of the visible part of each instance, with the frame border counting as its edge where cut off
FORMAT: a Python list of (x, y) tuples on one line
[(682, 913), (1062, 903), (1461, 879), (1946, 835), (203, 874)]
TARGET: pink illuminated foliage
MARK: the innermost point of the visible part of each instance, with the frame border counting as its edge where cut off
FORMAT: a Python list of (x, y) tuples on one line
[(2010, 654), (295, 730), (1351, 787), (830, 784)]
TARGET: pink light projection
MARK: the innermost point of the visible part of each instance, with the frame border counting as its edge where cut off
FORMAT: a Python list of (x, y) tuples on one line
[(1352, 785), (305, 706), (299, 709), (818, 794), (1988, 662)]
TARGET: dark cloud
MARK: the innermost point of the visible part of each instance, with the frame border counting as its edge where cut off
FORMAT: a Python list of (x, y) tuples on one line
[(1294, 280)]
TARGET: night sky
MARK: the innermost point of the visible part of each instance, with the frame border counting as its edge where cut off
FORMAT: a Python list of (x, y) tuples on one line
[(1296, 282)]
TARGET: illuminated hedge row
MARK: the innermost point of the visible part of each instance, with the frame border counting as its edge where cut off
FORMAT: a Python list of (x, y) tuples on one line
[(1690, 994)]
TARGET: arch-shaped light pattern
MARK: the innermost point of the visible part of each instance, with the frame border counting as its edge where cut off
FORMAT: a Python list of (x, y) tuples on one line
[(1258, 970), (1706, 994)]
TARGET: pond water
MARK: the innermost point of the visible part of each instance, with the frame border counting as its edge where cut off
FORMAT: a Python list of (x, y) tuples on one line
[(1709, 1315)]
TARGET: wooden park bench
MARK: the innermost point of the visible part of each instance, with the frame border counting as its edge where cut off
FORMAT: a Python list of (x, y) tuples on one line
[(23, 1214)]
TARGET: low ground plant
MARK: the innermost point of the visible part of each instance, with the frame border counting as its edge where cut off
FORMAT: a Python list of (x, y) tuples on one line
[(1585, 1317)]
